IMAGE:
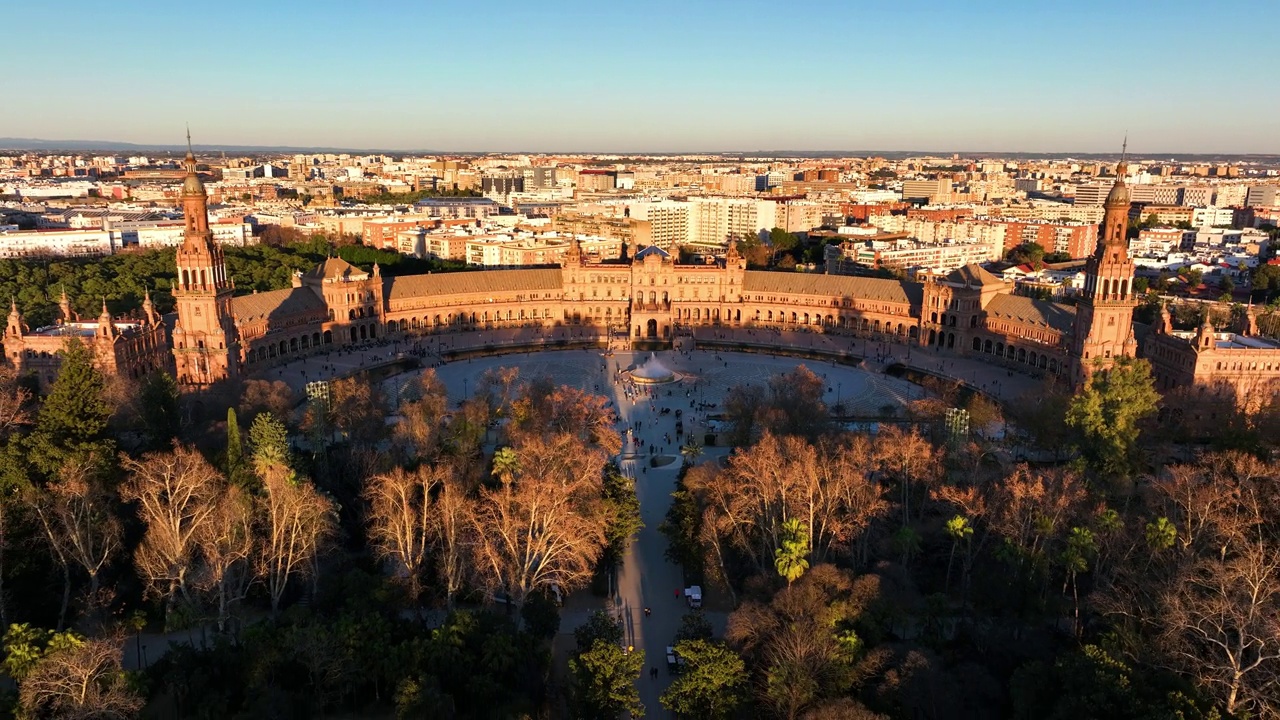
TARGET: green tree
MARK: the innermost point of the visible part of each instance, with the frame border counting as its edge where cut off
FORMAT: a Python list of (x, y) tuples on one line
[(622, 512), (711, 685), (604, 682), (269, 440), (598, 627), (691, 450), (1027, 253), (25, 646), (1092, 684), (791, 560), (235, 446), (1160, 534), (72, 423), (1109, 411), (1227, 285), (158, 401), (961, 532), (694, 626), (782, 241), (1081, 547), (506, 464)]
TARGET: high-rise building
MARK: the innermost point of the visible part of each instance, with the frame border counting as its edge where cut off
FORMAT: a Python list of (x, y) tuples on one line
[(712, 221), (931, 191), (668, 221), (1262, 196)]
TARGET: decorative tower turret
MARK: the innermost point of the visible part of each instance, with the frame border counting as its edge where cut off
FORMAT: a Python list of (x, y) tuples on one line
[(106, 327), (149, 309), (206, 348), (1104, 318), (13, 330), (64, 306)]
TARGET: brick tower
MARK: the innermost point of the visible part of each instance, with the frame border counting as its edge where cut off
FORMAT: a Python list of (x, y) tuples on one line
[(1103, 327), (205, 347)]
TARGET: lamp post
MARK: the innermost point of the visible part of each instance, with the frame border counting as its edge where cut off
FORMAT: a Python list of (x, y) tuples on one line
[(839, 394), (464, 388)]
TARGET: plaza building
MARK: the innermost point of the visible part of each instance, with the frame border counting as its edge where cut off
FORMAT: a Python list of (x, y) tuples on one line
[(650, 298), (131, 348)]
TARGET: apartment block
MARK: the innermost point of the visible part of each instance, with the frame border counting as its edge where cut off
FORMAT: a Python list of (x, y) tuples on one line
[(1167, 214), (1210, 216), (1262, 196), (931, 191), (668, 221)]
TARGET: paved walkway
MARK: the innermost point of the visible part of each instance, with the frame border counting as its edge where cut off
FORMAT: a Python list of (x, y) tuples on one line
[(982, 373), (645, 578)]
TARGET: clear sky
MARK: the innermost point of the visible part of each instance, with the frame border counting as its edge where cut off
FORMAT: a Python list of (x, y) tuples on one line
[(632, 76)]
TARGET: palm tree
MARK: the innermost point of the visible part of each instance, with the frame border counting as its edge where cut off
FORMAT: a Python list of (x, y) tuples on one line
[(691, 451), (506, 464), (790, 559)]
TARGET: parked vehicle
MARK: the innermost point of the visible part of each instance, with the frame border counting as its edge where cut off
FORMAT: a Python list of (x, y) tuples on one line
[(693, 594)]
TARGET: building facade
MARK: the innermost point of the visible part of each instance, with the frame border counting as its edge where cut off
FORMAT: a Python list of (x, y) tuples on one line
[(130, 348), (650, 298)]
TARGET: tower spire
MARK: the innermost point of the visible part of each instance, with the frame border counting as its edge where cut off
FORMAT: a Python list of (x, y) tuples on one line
[(189, 150)]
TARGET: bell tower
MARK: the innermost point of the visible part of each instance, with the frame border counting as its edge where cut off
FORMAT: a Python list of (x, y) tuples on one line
[(206, 348), (1104, 318)]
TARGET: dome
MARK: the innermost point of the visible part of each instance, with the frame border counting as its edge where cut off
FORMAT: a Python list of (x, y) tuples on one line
[(1119, 194), (192, 185)]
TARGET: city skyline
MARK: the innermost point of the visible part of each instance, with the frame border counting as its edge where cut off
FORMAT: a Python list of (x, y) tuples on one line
[(652, 78)]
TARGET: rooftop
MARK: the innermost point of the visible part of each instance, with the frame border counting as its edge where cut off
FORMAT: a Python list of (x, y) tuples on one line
[(78, 329), (1232, 341)]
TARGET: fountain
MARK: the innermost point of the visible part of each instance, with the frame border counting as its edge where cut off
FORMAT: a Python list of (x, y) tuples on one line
[(653, 372)]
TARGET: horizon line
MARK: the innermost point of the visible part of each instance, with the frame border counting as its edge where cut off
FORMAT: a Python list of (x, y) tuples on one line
[(83, 145)]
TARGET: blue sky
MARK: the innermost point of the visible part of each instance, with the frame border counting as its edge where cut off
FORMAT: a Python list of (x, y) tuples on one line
[(661, 76)]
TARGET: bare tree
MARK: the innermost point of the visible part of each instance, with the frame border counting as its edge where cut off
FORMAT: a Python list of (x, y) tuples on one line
[(15, 402), (227, 542), (176, 494), (841, 499), (297, 521), (567, 410), (1222, 625), (423, 405), (500, 386), (83, 681), (272, 396), (399, 519), (908, 457), (357, 409), (450, 530), (79, 522), (547, 525)]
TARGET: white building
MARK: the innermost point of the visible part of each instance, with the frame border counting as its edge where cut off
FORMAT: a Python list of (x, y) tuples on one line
[(668, 221), (713, 220), (64, 243), (1210, 216), (148, 234)]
